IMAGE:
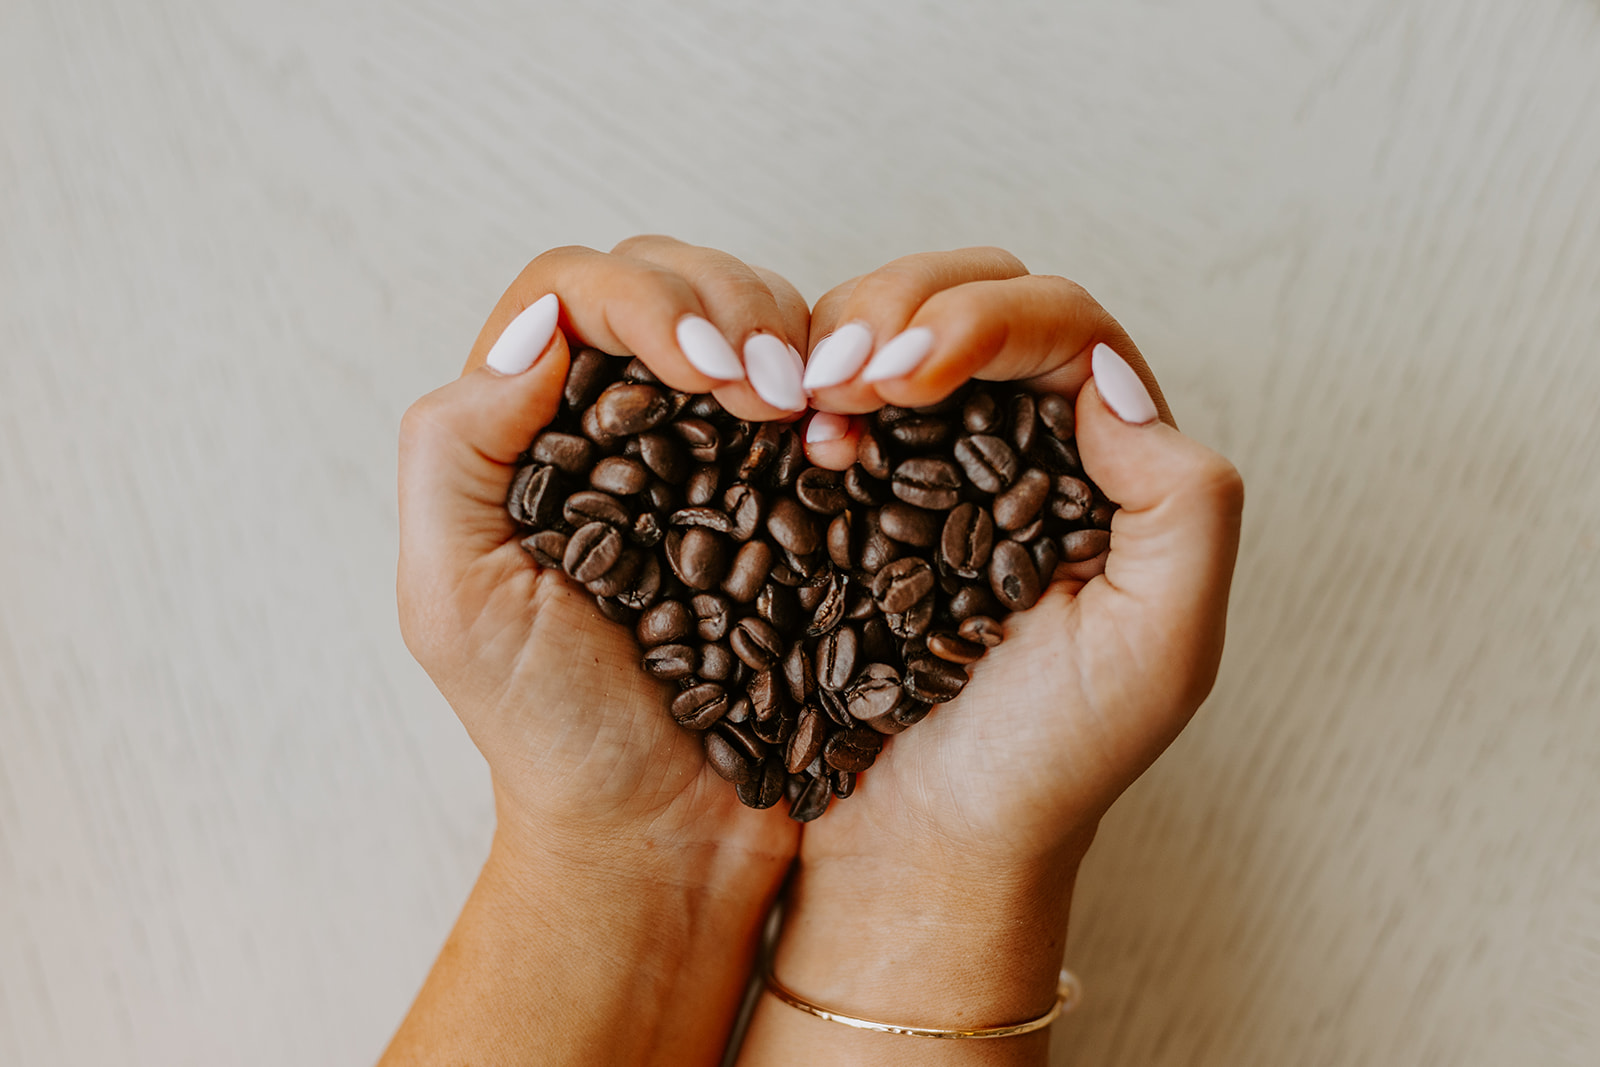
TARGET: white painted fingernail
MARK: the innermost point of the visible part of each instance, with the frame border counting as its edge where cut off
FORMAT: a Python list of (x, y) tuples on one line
[(773, 374), (826, 426), (525, 337), (839, 356), (1121, 388), (710, 353), (900, 356)]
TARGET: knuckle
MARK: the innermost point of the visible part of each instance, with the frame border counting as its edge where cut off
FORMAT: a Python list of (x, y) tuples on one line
[(641, 241), (1219, 481), (421, 426), (892, 286)]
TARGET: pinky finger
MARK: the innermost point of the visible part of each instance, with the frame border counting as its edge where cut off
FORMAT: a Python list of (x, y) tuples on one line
[(831, 440)]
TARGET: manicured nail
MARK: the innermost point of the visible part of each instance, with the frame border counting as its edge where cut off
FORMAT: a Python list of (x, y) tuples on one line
[(527, 335), (1121, 388), (773, 374), (839, 356), (900, 356), (826, 426), (705, 347)]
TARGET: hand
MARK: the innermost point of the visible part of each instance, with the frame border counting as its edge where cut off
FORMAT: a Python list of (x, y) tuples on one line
[(937, 894)]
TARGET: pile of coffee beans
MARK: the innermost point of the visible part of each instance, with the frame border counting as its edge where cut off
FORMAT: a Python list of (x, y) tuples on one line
[(804, 613)]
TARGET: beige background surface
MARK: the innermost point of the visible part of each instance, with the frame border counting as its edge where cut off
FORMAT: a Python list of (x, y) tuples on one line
[(1359, 241)]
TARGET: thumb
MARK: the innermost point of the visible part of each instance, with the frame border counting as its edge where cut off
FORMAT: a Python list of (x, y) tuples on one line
[(459, 447), (1175, 537)]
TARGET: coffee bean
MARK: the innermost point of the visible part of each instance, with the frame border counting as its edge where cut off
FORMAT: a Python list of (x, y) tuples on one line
[(742, 736), (701, 488), (805, 744), (620, 475), (744, 505), (717, 663), (1057, 457), (778, 604), (812, 801), (587, 374), (789, 461), (840, 547), (1081, 545), (626, 408), (863, 488), (756, 642), (567, 452), (765, 791), (713, 616), (1071, 499), (763, 450), (647, 529), (621, 575), (873, 456), (875, 548), (664, 623), (1029, 533), (1013, 576), (728, 761), (829, 612), (910, 711), (955, 649), (664, 456), (989, 463), (852, 750), (1024, 422), (671, 662), (910, 525), (836, 658), (966, 540), (749, 570), (821, 490), (913, 622), (705, 518), (592, 551), (702, 558), (971, 600), (1100, 515), (934, 680), (875, 692), (775, 728), (792, 527), (1020, 504), (981, 629), (591, 506), (547, 547), (797, 673), (519, 484), (900, 585), (833, 705), (843, 783), (702, 437), (636, 370), (698, 708), (927, 482), (1046, 555), (646, 586), (980, 413), (920, 432), (1055, 411)]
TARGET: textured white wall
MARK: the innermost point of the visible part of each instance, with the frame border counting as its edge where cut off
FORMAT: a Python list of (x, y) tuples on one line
[(1359, 241)]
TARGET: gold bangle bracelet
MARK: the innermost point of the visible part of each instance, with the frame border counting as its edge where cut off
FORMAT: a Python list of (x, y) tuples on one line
[(1068, 993)]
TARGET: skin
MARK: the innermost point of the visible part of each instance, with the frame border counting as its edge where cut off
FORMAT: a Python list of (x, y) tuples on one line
[(617, 917)]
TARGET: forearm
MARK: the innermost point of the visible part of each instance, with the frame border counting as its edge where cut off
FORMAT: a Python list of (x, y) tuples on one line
[(555, 962), (948, 948)]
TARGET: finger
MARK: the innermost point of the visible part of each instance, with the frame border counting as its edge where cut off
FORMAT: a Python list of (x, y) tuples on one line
[(1037, 327), (459, 447), (878, 307), (1175, 537), (832, 440), (626, 307), (739, 302)]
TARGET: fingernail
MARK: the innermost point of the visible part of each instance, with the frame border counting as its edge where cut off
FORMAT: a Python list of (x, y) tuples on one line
[(839, 356), (527, 335), (826, 426), (710, 353), (772, 371), (1120, 387), (900, 356)]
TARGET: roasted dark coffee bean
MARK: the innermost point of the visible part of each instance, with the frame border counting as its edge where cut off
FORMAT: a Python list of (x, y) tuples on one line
[(728, 761), (776, 728), (829, 613), (702, 558), (767, 789), (812, 801), (566, 452), (671, 662), (966, 540), (519, 484), (716, 663), (713, 616), (664, 456), (636, 370), (792, 526), (843, 783), (910, 711), (989, 463), (981, 413), (589, 423), (1057, 457), (955, 649), (1021, 504), (765, 693), (840, 548), (748, 571), (797, 673), (920, 432), (1028, 534), (587, 374), (877, 643), (744, 505), (1072, 498), (873, 456), (833, 704), (821, 490), (875, 692), (1055, 411), (701, 488), (592, 551), (813, 589), (1081, 545), (705, 518), (1046, 556), (590, 505), (778, 604), (742, 736), (935, 680), (859, 603), (647, 529), (738, 712), (702, 437), (898, 586), (665, 623), (910, 525), (617, 611), (698, 708), (1100, 515), (789, 462), (982, 629), (913, 622), (974, 599), (614, 581), (875, 547), (547, 547), (1013, 576), (645, 587), (863, 488), (836, 658), (619, 475), (1024, 422), (809, 568), (810, 731), (852, 750), (756, 642), (763, 450), (662, 496), (927, 482), (626, 408)]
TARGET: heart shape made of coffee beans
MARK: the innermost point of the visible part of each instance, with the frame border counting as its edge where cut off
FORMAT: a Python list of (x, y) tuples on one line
[(804, 613)]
